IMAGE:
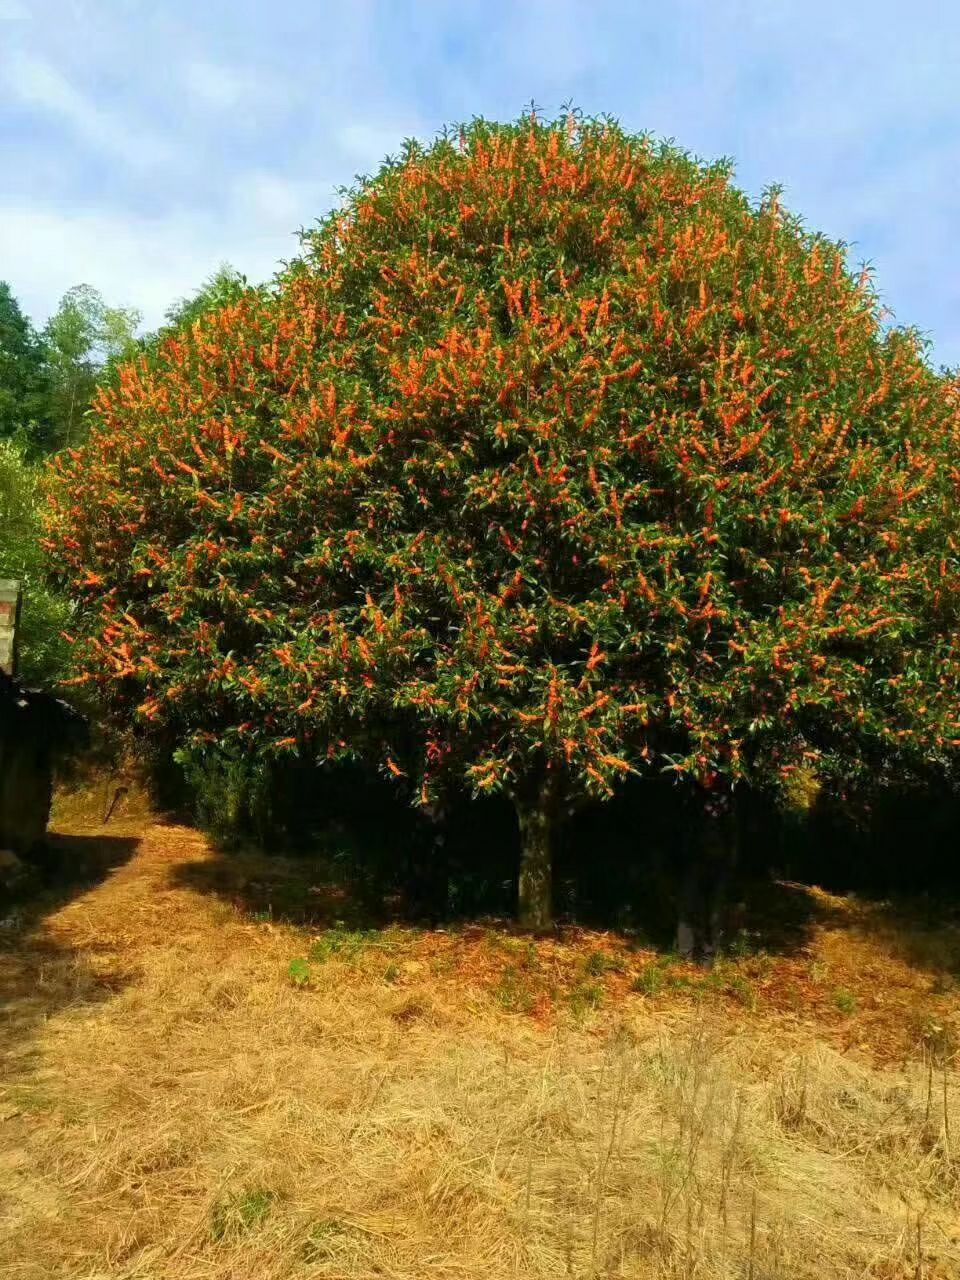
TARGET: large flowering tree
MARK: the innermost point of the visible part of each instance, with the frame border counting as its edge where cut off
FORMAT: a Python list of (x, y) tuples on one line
[(553, 460)]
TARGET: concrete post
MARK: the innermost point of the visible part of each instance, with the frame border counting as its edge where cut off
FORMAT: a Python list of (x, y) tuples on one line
[(9, 621)]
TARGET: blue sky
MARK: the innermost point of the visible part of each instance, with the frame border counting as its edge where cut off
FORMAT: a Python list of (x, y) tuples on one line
[(143, 143)]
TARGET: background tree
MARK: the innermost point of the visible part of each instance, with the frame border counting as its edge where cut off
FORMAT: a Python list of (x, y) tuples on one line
[(555, 460), (22, 384), (43, 652), (81, 338)]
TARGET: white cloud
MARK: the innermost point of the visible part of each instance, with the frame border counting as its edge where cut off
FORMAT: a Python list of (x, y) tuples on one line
[(216, 85), (279, 203), (369, 144), (36, 83)]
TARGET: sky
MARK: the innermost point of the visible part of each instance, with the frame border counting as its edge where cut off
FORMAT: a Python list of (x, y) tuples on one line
[(143, 143)]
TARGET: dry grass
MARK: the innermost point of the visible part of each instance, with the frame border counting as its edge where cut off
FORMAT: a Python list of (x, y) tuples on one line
[(187, 1095)]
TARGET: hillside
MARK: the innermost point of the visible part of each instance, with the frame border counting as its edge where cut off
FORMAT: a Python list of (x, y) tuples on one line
[(194, 1089)]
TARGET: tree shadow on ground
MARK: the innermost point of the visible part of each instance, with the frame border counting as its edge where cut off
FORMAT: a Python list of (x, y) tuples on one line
[(374, 862), (776, 916), (623, 864), (358, 877), (348, 879), (365, 857), (302, 890), (921, 930), (38, 974), (68, 866)]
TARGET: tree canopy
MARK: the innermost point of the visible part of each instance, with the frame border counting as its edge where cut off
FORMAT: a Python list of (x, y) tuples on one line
[(81, 338), (47, 379), (21, 369), (554, 459)]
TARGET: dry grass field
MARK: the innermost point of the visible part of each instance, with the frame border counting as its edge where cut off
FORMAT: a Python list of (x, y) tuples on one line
[(191, 1089)]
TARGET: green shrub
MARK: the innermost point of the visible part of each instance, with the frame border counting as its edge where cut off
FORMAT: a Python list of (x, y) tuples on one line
[(231, 790), (650, 981)]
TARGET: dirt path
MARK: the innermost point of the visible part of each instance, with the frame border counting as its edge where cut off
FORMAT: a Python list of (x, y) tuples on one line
[(91, 933)]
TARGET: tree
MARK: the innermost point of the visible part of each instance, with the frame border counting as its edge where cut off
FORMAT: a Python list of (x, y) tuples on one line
[(22, 399), (43, 651), (81, 339), (554, 460)]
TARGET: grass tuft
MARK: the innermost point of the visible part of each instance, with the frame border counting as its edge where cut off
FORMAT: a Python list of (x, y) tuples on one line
[(845, 1001), (236, 1215)]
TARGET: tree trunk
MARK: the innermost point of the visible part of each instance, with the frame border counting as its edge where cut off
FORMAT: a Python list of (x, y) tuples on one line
[(537, 817), (429, 867), (705, 885), (73, 401)]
